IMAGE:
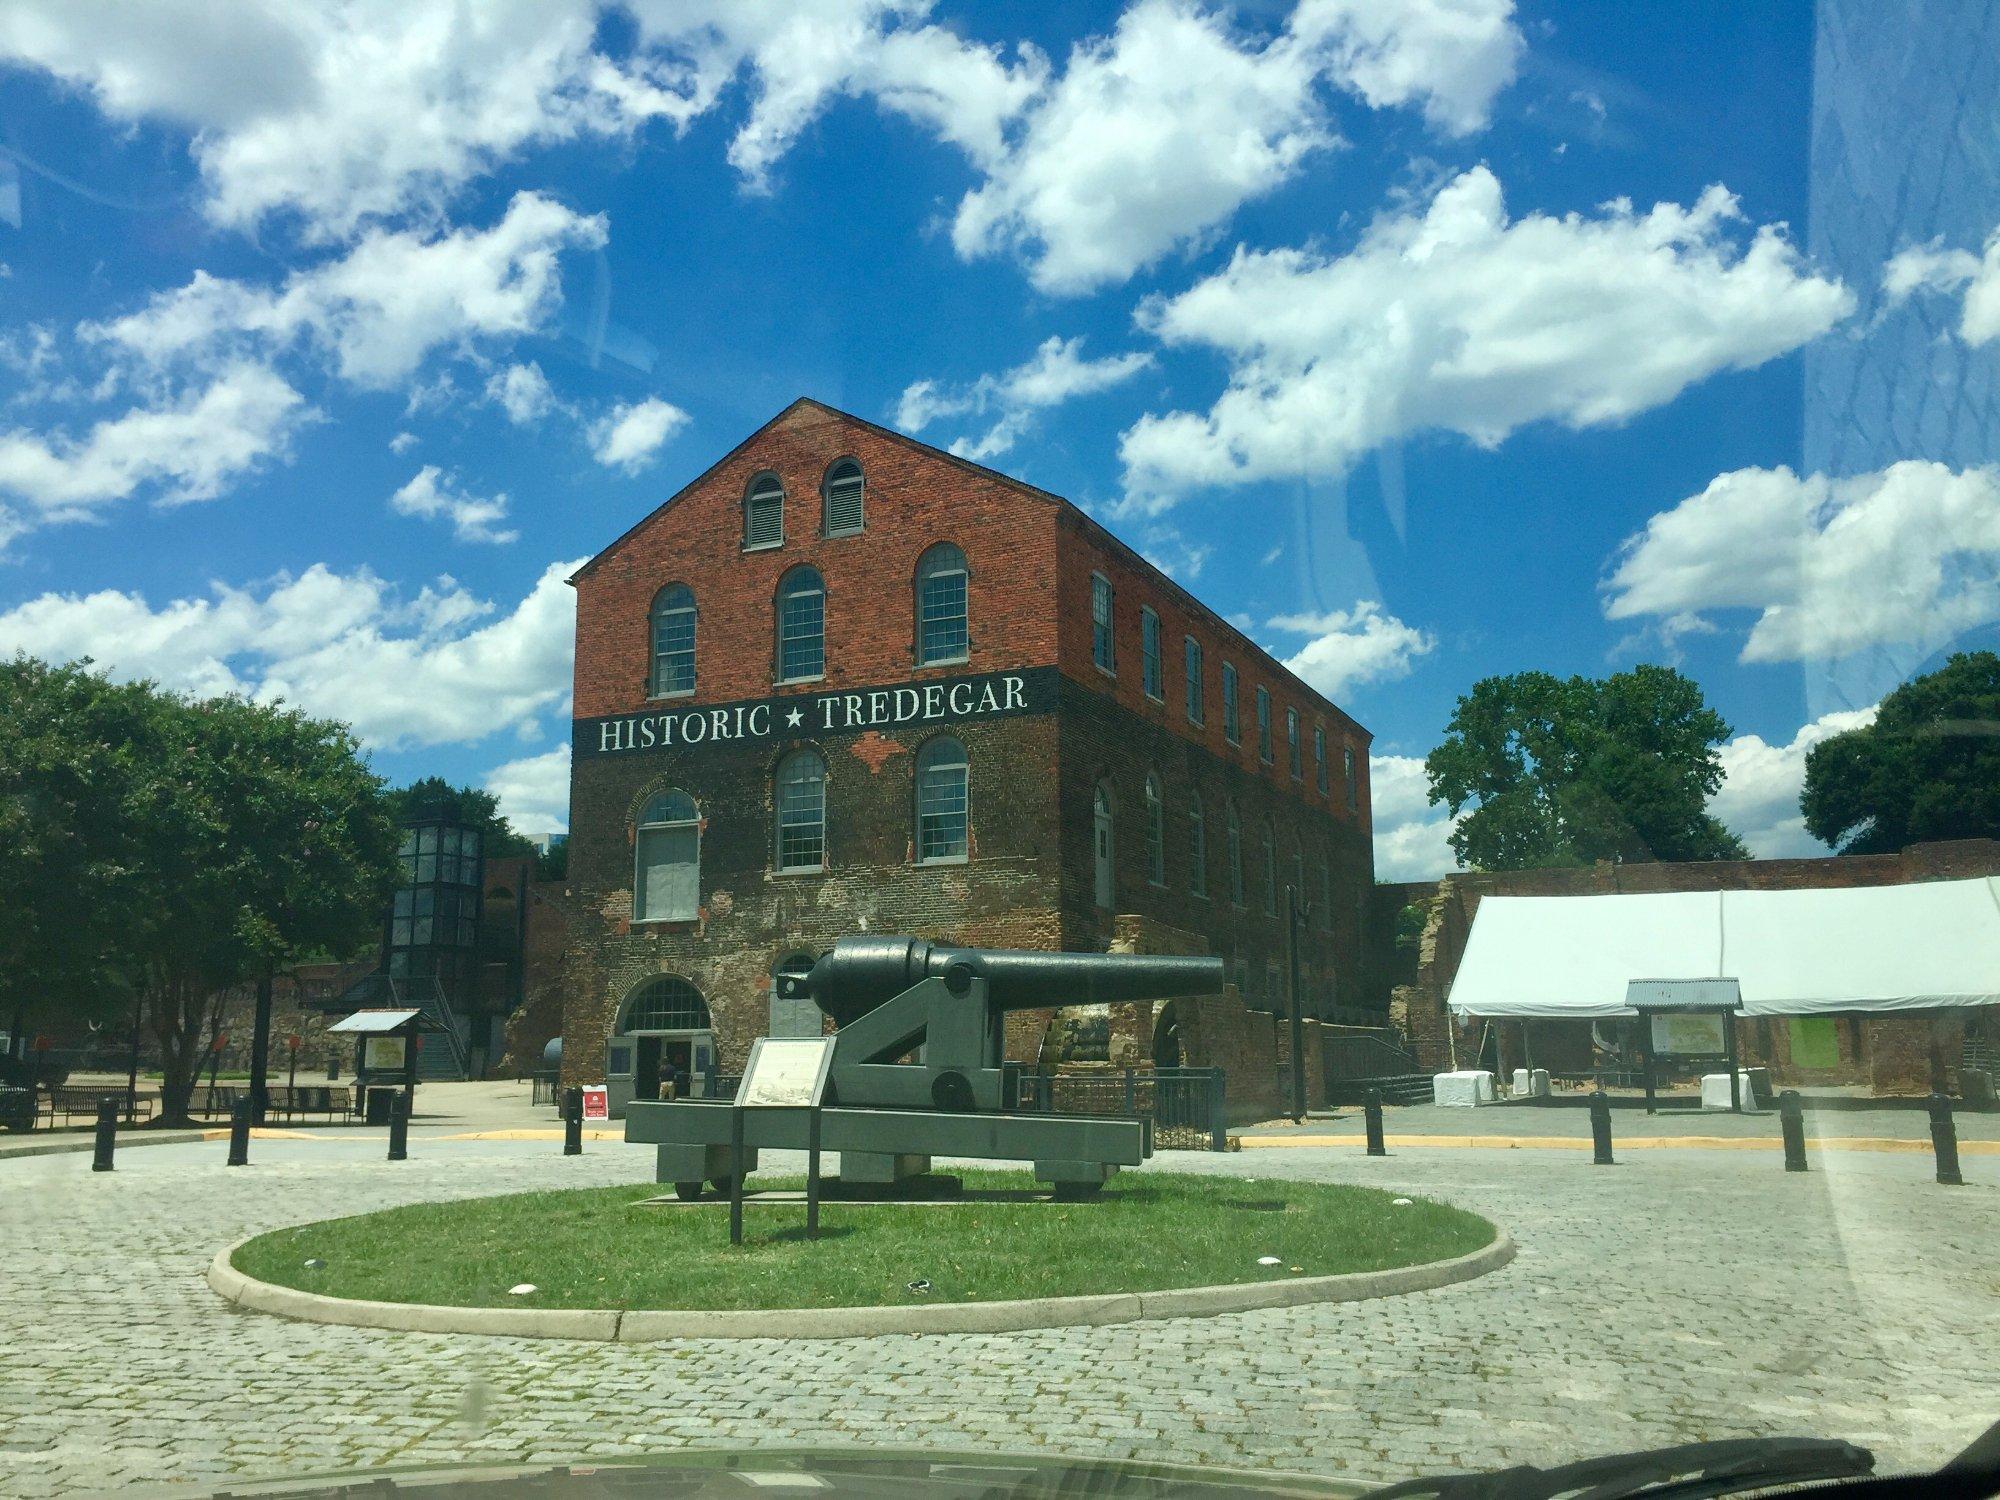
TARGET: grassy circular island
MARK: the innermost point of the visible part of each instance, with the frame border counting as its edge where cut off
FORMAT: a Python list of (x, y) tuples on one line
[(607, 1248)]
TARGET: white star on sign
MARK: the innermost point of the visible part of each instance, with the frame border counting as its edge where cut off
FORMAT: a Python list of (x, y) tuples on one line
[(792, 719)]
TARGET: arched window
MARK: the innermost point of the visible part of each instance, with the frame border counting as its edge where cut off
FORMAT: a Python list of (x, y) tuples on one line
[(673, 640), (941, 627), (1197, 846), (764, 512), (942, 801), (1299, 871), (666, 884), (665, 1002), (1270, 870), (1233, 832), (801, 803), (1156, 832), (840, 498), (801, 626), (1101, 845)]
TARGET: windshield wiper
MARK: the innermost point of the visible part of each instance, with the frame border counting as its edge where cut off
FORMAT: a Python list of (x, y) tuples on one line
[(1685, 1473)]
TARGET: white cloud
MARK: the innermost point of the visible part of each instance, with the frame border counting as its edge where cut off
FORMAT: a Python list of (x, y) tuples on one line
[(1412, 836), (1450, 57), (1449, 317), (380, 309), (402, 442), (1352, 647), (534, 791), (1759, 796), (1832, 566), (523, 392), (1932, 269), (629, 437), (403, 672), (433, 495), (1158, 133), (183, 449), (1056, 373), (338, 111), (798, 59)]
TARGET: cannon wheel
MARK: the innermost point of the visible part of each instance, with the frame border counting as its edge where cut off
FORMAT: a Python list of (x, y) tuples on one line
[(721, 1184), (1076, 1192), (687, 1192)]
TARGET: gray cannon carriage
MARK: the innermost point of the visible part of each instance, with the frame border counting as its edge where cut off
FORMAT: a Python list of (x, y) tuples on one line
[(891, 1107)]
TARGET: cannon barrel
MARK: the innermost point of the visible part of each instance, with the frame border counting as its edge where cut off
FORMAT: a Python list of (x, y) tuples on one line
[(860, 973)]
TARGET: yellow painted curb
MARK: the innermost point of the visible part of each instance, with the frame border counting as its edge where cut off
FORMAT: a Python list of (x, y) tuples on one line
[(1625, 1143), (262, 1133), (527, 1134)]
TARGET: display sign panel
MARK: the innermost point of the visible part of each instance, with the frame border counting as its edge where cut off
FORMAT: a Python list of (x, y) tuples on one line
[(1692, 1034), (785, 1072), (385, 1054)]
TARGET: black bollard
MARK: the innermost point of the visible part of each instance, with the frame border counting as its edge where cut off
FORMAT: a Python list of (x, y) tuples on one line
[(1600, 1130), (399, 1127), (572, 1122), (1792, 1120), (107, 1133), (1944, 1141), (239, 1133), (1371, 1113)]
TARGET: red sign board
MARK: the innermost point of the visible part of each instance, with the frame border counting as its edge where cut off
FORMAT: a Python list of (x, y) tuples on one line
[(596, 1104)]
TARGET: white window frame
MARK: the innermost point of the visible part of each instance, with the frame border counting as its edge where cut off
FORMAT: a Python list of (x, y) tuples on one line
[(778, 810), (925, 766), (653, 619), (640, 831), (928, 571), (1156, 831), (1103, 632), (787, 592), (1152, 670), (1195, 687), (754, 490), (826, 484), (1232, 704)]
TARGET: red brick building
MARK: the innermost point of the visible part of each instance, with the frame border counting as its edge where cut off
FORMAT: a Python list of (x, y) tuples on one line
[(845, 681)]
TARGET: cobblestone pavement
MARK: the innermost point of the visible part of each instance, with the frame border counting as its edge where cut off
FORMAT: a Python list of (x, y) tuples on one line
[(1680, 1296)]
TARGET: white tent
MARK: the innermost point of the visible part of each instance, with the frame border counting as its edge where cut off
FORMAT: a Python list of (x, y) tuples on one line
[(1863, 948)]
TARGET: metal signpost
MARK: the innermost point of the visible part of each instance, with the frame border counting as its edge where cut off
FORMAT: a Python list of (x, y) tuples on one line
[(1681, 1018), (782, 1073)]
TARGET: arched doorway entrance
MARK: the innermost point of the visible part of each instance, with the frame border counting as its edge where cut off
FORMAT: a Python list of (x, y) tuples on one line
[(1100, 810), (1167, 1037), (664, 1032)]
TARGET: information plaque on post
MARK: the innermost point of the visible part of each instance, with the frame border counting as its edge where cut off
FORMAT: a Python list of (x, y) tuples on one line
[(782, 1073)]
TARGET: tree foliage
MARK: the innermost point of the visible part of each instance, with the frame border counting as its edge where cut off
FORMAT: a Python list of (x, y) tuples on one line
[(176, 849), (1552, 771), (1927, 768), (468, 805)]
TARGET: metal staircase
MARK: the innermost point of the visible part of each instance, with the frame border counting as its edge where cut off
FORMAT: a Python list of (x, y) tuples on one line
[(443, 1056)]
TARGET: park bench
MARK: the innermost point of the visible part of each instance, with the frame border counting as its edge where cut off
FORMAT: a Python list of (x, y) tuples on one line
[(66, 1106)]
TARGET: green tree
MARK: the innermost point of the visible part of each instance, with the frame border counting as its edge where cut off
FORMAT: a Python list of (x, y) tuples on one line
[(72, 763), (468, 805), (1552, 771), (273, 840), (1927, 768)]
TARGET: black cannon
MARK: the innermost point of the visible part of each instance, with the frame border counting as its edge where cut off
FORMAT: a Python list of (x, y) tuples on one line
[(890, 1107), (889, 995)]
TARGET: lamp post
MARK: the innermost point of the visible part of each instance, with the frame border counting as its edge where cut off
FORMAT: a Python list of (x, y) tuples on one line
[(1294, 911)]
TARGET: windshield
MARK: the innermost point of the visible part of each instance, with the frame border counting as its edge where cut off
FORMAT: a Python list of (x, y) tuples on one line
[(1257, 735)]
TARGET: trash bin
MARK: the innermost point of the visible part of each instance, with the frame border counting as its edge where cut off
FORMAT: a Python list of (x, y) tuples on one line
[(377, 1105)]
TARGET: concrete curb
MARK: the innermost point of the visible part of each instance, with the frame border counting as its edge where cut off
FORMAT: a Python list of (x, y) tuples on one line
[(609, 1324), (85, 1141)]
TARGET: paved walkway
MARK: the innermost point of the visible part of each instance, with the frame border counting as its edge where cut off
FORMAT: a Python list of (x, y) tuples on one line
[(1683, 1296)]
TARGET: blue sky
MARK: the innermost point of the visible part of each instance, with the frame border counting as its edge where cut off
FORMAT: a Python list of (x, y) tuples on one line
[(1428, 338)]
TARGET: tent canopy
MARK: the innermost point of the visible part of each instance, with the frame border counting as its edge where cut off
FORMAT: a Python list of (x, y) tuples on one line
[(1861, 948)]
